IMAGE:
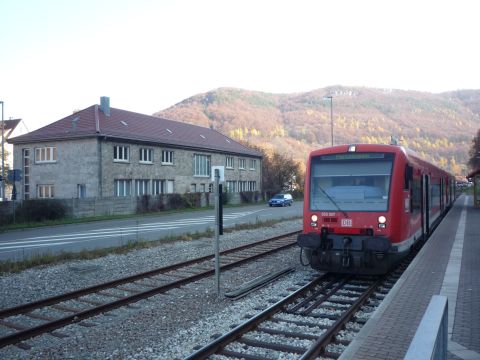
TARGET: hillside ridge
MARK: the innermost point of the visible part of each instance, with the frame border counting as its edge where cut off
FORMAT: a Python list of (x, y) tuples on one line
[(439, 127)]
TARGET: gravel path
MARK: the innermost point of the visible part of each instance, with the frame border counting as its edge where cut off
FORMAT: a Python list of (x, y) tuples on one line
[(166, 326)]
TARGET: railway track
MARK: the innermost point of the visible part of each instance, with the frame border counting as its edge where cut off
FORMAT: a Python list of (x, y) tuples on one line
[(23, 322), (319, 319)]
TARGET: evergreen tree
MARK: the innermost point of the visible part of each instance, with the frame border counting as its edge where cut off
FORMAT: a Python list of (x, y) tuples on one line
[(474, 153)]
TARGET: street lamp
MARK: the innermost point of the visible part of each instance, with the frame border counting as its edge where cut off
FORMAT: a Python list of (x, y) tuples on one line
[(331, 114)]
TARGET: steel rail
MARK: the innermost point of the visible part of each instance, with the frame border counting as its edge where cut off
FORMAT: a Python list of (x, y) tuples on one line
[(252, 323), (326, 338), (320, 342), (76, 317), (95, 288)]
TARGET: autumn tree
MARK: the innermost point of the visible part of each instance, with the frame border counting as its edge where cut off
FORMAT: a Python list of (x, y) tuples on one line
[(279, 173), (5, 162), (474, 153)]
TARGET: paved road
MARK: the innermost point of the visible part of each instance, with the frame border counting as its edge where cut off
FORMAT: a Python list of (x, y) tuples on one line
[(21, 244)]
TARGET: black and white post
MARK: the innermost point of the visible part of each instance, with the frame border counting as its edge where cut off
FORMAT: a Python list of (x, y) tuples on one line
[(217, 231)]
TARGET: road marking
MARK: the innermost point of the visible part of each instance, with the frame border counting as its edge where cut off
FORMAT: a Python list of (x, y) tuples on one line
[(33, 245), (55, 240)]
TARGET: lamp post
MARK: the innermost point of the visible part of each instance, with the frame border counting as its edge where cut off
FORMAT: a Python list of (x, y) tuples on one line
[(331, 114)]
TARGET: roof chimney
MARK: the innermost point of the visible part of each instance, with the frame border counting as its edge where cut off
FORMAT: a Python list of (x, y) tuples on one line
[(105, 105)]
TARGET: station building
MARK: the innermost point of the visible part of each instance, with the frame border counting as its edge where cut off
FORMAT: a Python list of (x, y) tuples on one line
[(105, 152)]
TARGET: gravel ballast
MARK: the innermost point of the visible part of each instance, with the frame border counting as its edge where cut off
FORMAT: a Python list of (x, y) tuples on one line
[(166, 326)]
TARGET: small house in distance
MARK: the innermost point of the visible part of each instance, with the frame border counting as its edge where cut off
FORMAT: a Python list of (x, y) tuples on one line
[(104, 152)]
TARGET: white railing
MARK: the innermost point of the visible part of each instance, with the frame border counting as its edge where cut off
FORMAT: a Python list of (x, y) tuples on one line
[(431, 339)]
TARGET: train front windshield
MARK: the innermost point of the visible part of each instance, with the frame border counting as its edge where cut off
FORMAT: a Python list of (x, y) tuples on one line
[(350, 182)]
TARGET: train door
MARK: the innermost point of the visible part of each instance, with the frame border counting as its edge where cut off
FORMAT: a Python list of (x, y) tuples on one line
[(425, 205)]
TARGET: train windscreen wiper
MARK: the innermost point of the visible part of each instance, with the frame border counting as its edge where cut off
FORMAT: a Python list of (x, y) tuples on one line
[(333, 202)]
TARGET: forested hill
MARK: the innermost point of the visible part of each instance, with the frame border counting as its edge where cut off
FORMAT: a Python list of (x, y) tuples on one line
[(440, 127)]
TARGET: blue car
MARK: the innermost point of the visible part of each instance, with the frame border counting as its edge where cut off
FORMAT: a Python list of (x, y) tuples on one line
[(281, 200)]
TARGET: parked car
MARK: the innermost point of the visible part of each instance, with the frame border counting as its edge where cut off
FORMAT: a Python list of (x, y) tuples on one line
[(281, 200)]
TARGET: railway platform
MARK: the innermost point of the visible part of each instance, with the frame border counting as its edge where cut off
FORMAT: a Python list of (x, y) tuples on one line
[(449, 265)]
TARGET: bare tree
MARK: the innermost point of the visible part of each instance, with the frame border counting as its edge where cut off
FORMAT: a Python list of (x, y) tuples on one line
[(279, 173)]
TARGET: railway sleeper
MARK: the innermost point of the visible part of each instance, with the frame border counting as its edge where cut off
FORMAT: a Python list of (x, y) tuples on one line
[(130, 290), (291, 334), (301, 323), (90, 302), (330, 355), (107, 294), (39, 316), (65, 308), (237, 355), (273, 346), (12, 325)]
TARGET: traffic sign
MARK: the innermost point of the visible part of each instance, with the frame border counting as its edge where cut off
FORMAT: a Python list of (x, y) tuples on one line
[(14, 175)]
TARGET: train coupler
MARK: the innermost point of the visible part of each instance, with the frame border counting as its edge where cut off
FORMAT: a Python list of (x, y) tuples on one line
[(346, 257)]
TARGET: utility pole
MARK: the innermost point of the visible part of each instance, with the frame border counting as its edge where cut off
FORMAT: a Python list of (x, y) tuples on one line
[(330, 97), (3, 156)]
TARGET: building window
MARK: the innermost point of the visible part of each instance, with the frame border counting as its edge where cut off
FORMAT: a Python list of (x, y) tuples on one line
[(146, 156), (242, 186), (201, 165), (45, 191), (242, 163), (230, 163), (122, 188), (158, 187), (193, 188), (231, 186), (141, 187), (121, 153), (170, 187), (81, 191), (202, 188), (252, 186), (253, 164), (210, 188), (167, 157), (47, 154)]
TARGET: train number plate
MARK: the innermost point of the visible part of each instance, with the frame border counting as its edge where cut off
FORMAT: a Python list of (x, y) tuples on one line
[(346, 222)]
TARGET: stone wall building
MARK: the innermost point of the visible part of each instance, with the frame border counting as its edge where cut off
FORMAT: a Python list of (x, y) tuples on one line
[(106, 152)]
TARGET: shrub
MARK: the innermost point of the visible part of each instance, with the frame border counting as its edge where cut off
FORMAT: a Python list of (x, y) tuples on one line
[(225, 198), (143, 204), (40, 210), (249, 196), (176, 201), (192, 200)]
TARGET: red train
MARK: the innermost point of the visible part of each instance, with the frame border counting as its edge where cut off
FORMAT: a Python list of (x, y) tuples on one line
[(366, 205)]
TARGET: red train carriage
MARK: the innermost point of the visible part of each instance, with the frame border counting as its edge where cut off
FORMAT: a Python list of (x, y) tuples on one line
[(366, 205)]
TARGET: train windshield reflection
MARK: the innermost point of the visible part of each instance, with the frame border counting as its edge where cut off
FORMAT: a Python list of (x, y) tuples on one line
[(351, 182)]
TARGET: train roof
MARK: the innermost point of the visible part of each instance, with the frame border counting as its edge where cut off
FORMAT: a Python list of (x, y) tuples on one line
[(409, 154), (359, 148)]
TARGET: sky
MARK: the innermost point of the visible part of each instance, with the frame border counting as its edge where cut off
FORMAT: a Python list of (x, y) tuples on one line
[(57, 56)]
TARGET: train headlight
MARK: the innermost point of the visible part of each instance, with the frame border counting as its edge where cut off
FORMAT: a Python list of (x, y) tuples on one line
[(314, 217), (382, 222)]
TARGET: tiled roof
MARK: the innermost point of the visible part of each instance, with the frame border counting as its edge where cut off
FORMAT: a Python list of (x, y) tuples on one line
[(136, 127)]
